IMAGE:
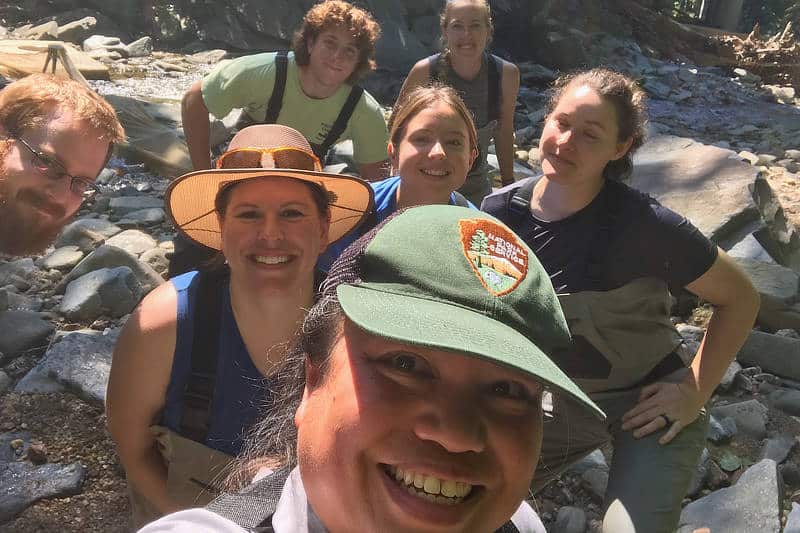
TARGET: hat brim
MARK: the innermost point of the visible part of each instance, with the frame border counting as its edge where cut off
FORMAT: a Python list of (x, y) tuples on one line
[(440, 325), (189, 200)]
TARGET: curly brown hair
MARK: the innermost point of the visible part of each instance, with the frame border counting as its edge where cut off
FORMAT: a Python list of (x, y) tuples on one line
[(337, 13), (629, 101)]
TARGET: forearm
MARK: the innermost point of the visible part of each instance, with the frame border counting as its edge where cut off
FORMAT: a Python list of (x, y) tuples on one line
[(727, 330), (504, 146), (147, 474), (197, 129)]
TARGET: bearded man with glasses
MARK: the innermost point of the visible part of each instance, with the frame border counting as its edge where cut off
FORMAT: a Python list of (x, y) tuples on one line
[(55, 137)]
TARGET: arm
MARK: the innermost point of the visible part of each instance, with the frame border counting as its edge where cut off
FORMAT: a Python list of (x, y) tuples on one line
[(137, 387), (374, 171), (196, 126), (504, 134), (736, 303)]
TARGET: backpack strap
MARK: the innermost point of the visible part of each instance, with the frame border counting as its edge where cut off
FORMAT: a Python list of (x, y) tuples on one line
[(493, 93), (519, 205), (340, 124), (276, 99), (198, 394), (252, 507), (460, 199)]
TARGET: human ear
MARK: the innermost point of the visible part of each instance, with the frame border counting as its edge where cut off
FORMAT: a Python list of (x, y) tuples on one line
[(312, 380), (623, 147), (392, 151)]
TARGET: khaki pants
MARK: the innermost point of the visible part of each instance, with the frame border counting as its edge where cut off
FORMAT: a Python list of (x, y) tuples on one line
[(646, 481), (195, 475)]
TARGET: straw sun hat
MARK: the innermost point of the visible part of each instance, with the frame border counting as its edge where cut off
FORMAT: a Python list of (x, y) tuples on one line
[(190, 199)]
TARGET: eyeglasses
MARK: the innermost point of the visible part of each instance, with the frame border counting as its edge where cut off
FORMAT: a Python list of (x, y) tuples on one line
[(53, 170), (283, 157)]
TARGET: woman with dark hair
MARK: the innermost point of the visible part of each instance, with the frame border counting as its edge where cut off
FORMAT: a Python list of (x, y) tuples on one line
[(614, 255), (192, 365), (488, 85)]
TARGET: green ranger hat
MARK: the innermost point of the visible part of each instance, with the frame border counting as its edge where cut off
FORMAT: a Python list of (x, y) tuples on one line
[(456, 279)]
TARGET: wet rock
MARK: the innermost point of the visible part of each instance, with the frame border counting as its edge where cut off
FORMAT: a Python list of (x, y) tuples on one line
[(793, 520), (80, 361), (750, 416), (730, 375), (755, 499), (77, 31), (133, 241), (108, 291), (778, 448), (596, 481), (108, 256), (771, 280), (87, 233), (63, 258), (143, 217), (140, 47), (5, 382), (570, 520), (11, 301), (721, 430), (22, 484), (23, 331), (776, 354), (123, 205), (787, 400)]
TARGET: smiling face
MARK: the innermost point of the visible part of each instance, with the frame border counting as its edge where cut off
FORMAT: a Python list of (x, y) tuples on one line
[(396, 437), (333, 56), (273, 233), (466, 28), (433, 154), (34, 208), (580, 137)]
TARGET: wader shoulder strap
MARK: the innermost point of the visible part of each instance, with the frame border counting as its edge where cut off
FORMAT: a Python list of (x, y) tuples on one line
[(520, 202), (340, 124), (276, 99), (252, 507), (493, 94), (199, 391)]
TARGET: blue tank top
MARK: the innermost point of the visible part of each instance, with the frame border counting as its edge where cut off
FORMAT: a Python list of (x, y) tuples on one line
[(240, 389)]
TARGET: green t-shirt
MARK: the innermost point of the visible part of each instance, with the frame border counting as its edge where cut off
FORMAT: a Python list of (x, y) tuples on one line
[(247, 83)]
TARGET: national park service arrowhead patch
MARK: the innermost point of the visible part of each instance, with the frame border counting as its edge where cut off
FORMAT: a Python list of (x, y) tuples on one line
[(495, 254)]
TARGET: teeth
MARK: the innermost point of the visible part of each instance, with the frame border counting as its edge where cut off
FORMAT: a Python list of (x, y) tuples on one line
[(274, 260), (435, 172), (433, 489)]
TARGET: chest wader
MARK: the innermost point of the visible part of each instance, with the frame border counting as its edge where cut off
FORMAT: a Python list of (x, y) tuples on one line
[(623, 339), (195, 472), (477, 184)]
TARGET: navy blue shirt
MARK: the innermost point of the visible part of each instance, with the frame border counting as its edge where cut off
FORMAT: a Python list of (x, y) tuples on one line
[(622, 235)]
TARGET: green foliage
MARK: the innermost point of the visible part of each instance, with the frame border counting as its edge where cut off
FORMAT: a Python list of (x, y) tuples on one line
[(771, 14)]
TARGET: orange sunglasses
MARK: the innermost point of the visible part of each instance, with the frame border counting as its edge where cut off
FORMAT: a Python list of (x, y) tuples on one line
[(283, 157)]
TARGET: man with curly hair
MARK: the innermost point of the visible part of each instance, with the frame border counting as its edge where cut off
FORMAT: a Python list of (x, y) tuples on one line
[(55, 137), (332, 50)]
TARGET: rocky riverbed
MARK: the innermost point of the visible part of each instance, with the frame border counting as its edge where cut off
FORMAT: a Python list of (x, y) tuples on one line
[(724, 150)]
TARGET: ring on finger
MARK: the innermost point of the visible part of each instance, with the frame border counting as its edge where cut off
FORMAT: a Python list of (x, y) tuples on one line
[(667, 421)]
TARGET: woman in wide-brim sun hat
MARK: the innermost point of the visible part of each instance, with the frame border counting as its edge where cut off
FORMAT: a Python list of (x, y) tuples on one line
[(191, 367)]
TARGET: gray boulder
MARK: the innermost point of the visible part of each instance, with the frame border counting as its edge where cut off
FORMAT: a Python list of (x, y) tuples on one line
[(787, 400), (80, 361), (721, 429), (133, 241), (87, 233), (108, 256), (775, 354), (77, 31), (750, 416), (23, 331), (793, 520), (105, 44), (771, 280), (63, 258), (142, 217), (18, 273), (750, 248), (22, 484), (570, 520), (108, 291), (778, 448), (123, 205), (11, 301), (755, 500), (596, 481), (5, 382), (140, 47)]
